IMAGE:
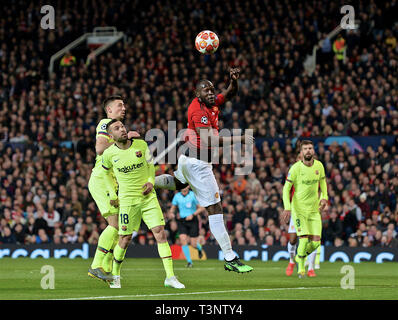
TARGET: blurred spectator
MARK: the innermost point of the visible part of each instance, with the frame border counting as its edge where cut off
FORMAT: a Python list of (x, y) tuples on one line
[(391, 241), (39, 222), (172, 230), (254, 224), (42, 237), (364, 206), (57, 236), (68, 60), (19, 233), (7, 236), (239, 186), (352, 242), (366, 243), (271, 212), (350, 220), (391, 227), (339, 47), (377, 238), (269, 240), (354, 208), (333, 229), (70, 234), (338, 242)]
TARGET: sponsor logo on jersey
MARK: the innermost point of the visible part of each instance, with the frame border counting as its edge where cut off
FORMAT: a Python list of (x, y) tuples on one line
[(309, 182), (138, 154), (216, 195), (316, 172), (127, 169), (124, 228)]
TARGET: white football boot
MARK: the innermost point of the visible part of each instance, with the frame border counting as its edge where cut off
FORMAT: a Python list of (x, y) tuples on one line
[(115, 283), (172, 282)]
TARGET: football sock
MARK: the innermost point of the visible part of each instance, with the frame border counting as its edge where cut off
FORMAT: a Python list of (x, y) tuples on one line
[(312, 246), (291, 248), (198, 246), (165, 181), (108, 260), (311, 260), (301, 253), (118, 258), (318, 255), (217, 228), (165, 254), (105, 243), (187, 253)]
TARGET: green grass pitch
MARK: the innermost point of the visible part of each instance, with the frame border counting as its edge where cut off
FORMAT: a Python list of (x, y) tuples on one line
[(142, 279)]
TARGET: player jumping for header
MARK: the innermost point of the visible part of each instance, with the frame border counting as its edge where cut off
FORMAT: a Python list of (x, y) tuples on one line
[(114, 108), (195, 169), (134, 171)]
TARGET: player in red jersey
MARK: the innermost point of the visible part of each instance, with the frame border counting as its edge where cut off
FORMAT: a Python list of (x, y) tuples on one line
[(195, 168)]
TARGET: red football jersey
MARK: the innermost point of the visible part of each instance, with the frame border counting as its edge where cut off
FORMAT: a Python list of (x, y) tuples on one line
[(199, 115)]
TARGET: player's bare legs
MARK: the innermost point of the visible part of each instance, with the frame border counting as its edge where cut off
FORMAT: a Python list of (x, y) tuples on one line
[(216, 224), (125, 240), (291, 247), (217, 228), (165, 254)]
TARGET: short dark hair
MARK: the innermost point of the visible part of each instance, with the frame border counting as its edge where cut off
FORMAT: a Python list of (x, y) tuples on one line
[(108, 125), (109, 99), (203, 83), (305, 142)]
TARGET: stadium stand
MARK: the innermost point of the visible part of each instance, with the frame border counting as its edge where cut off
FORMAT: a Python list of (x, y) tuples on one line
[(48, 121)]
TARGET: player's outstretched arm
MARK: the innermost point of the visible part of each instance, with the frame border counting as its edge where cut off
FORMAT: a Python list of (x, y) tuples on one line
[(233, 87)]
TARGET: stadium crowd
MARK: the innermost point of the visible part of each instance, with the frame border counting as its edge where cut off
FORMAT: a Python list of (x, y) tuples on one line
[(47, 132)]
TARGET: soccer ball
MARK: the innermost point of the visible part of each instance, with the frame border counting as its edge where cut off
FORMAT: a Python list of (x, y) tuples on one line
[(207, 42)]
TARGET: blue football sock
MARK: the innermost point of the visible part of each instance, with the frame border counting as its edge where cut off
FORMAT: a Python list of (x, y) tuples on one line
[(187, 254)]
